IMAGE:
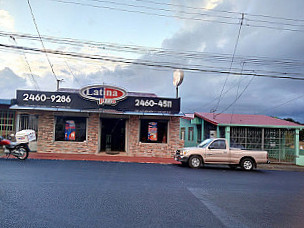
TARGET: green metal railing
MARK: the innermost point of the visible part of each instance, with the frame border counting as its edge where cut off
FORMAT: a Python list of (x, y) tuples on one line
[(7, 122), (279, 143)]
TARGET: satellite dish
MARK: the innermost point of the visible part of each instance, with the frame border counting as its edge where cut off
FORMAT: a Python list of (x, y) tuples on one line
[(178, 77)]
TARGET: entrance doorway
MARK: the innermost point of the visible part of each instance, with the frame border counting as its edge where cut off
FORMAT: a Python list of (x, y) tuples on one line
[(113, 135)]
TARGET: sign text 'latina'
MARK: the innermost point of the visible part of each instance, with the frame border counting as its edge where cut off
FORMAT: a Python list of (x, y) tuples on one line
[(103, 94)]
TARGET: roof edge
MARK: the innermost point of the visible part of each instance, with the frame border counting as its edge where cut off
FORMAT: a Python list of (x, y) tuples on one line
[(262, 126), (204, 118)]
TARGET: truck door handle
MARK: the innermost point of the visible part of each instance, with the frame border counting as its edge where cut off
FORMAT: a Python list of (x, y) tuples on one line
[(209, 154)]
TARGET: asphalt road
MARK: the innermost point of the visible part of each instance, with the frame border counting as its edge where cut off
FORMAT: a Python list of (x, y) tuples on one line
[(45, 193)]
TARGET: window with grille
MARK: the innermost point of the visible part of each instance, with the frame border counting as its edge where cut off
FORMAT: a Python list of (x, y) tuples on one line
[(29, 121), (7, 122), (190, 134), (182, 133)]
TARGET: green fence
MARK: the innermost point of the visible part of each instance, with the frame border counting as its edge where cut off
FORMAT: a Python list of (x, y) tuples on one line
[(7, 123), (279, 143)]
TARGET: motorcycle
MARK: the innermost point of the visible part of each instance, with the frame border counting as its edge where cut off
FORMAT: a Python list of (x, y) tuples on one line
[(19, 150)]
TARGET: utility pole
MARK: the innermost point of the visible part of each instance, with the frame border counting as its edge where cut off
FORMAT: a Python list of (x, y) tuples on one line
[(58, 83)]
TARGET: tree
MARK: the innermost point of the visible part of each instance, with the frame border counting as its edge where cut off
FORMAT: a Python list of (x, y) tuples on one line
[(301, 132)]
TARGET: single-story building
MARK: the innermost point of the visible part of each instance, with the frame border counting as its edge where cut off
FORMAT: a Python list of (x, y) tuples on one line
[(100, 119), (257, 132)]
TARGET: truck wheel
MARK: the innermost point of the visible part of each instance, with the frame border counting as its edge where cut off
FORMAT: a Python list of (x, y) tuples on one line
[(195, 162), (247, 164)]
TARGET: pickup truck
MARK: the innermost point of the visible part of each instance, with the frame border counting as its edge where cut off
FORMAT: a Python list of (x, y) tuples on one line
[(217, 151)]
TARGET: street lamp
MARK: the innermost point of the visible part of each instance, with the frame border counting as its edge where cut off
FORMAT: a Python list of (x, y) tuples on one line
[(178, 77)]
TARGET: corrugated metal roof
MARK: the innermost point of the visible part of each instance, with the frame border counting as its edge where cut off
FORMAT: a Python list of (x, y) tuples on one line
[(137, 94), (188, 116), (243, 119)]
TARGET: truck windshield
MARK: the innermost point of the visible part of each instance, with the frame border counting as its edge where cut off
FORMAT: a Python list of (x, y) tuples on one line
[(205, 143)]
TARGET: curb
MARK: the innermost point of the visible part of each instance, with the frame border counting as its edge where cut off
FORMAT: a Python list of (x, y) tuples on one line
[(142, 160)]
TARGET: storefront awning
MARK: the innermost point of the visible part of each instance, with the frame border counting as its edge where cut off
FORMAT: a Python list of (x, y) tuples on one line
[(106, 111)]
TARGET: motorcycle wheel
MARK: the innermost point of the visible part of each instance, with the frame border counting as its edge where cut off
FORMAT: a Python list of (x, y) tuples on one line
[(23, 153)]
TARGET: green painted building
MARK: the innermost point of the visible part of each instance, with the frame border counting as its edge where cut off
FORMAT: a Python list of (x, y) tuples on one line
[(256, 132)]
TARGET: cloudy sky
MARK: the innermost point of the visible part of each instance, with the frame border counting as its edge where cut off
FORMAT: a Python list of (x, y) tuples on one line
[(210, 37)]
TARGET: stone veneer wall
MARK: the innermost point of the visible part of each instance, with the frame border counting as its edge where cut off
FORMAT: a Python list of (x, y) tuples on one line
[(138, 149), (46, 135)]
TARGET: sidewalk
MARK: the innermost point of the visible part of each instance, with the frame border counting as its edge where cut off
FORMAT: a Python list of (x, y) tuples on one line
[(109, 158), (156, 160), (284, 167)]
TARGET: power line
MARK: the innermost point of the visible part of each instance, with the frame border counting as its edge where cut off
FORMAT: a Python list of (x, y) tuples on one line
[(163, 52), (180, 62), (191, 13), (72, 73), (36, 26), (160, 9), (238, 13), (226, 91), (157, 51), (271, 22), (237, 92), (276, 18), (237, 97), (208, 11), (188, 7), (232, 60), (221, 11), (282, 104), (28, 65), (143, 63), (275, 28), (143, 12)]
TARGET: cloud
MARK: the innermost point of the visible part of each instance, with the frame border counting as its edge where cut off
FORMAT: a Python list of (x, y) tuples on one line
[(10, 82), (211, 4), (6, 20), (200, 90), (69, 69)]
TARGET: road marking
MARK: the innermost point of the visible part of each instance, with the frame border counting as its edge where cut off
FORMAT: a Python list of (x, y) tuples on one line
[(226, 218)]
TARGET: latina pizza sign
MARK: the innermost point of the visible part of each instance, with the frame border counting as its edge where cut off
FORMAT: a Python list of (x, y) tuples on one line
[(103, 94)]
